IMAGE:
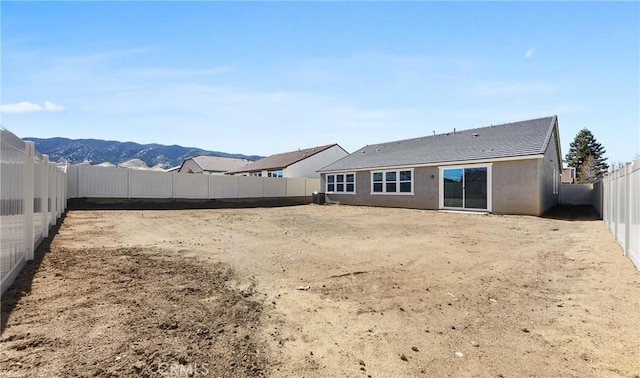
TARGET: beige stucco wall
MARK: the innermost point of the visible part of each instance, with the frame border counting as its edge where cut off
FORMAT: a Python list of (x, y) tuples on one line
[(546, 167), (514, 189), (425, 192), (190, 164)]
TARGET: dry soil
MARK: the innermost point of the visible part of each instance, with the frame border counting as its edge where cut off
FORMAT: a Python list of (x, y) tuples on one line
[(387, 293)]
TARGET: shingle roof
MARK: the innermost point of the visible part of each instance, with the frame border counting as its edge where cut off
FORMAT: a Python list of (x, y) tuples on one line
[(219, 164), (281, 161), (507, 140)]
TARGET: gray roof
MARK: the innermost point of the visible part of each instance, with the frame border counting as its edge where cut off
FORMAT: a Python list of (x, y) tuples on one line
[(281, 161), (500, 141), (219, 164)]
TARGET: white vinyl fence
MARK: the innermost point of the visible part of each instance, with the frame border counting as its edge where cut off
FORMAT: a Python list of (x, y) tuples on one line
[(576, 194), (85, 181), (33, 196), (617, 200)]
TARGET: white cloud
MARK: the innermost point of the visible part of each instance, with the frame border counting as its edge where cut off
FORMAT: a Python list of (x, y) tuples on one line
[(529, 53), (30, 107)]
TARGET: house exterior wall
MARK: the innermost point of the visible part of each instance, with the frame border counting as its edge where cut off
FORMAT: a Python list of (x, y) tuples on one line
[(425, 192), (514, 189), (308, 167), (189, 164), (549, 173)]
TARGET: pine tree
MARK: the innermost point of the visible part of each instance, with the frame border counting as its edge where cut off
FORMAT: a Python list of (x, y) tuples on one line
[(583, 145)]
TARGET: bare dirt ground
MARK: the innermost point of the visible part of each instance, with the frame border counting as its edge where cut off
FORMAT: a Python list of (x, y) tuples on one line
[(393, 293)]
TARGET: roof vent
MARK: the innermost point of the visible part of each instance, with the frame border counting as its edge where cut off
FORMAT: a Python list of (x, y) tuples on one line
[(377, 150), (475, 134)]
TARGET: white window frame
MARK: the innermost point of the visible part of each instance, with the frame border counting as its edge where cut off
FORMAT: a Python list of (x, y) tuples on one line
[(441, 170), (279, 173), (335, 183), (397, 182)]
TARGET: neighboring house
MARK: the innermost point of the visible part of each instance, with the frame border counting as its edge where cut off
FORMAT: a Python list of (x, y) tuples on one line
[(508, 169), (568, 176), (211, 165), (301, 163)]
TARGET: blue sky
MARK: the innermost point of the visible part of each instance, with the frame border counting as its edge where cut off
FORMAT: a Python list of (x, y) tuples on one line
[(262, 78)]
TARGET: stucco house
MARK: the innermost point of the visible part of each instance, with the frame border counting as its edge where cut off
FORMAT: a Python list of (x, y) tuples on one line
[(300, 163), (512, 168), (568, 176), (211, 165)]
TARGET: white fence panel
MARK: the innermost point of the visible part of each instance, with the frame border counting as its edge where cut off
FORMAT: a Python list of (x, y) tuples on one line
[(103, 182), (576, 194), (312, 185), (275, 187), (72, 181), (250, 187), (149, 184), (52, 193), (190, 186), (32, 197), (620, 205), (106, 182), (230, 187), (620, 211), (38, 222), (634, 215), (216, 186), (12, 251), (296, 187)]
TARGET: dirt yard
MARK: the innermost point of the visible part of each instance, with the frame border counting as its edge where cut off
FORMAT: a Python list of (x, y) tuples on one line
[(390, 293)]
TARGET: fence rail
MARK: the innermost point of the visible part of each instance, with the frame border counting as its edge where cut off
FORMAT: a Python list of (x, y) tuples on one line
[(32, 197), (106, 182), (617, 200)]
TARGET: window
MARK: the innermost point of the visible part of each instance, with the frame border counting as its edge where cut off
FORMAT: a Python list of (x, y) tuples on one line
[(255, 174), (556, 179), (275, 173), (392, 182), (341, 183)]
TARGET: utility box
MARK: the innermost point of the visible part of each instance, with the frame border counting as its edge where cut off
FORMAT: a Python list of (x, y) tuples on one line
[(318, 198)]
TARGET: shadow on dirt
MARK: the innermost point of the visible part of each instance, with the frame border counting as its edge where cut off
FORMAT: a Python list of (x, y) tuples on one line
[(22, 285), (573, 213), (182, 204)]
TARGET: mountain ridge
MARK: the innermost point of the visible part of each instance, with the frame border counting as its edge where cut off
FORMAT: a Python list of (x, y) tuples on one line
[(98, 151)]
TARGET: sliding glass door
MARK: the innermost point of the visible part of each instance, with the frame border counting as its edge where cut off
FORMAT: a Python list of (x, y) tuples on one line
[(465, 188)]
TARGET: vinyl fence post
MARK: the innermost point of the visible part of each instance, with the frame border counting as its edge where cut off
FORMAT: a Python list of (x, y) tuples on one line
[(627, 207), (56, 192), (614, 208), (44, 200), (27, 199)]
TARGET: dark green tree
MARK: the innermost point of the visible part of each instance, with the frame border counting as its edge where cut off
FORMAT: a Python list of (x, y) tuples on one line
[(583, 145)]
